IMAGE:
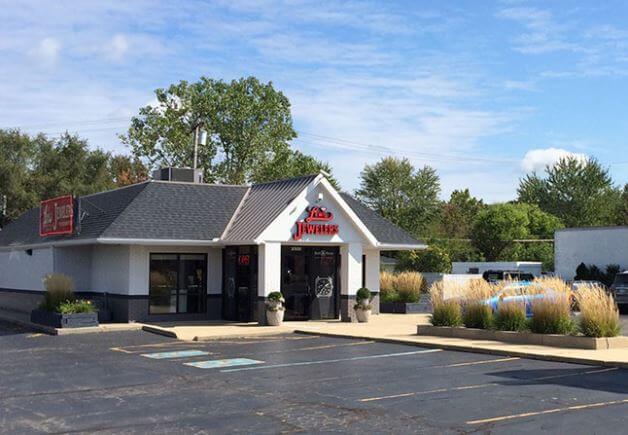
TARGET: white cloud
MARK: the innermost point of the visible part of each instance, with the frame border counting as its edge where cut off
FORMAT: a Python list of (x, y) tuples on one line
[(117, 47), (538, 159), (47, 51)]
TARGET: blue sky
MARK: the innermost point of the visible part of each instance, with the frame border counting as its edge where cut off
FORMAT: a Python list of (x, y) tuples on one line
[(482, 91)]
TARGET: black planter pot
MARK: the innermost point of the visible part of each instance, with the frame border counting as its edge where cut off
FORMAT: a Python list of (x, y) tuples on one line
[(57, 320), (423, 306)]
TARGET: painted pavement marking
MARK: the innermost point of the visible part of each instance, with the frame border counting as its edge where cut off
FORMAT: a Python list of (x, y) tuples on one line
[(329, 361), (475, 386), (176, 354), (219, 363), (548, 411)]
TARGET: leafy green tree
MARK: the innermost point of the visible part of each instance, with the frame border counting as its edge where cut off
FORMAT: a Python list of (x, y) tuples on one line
[(289, 164), (248, 123), (17, 153), (432, 259), (458, 214), (403, 195), (68, 166), (622, 207), (497, 226), (579, 193)]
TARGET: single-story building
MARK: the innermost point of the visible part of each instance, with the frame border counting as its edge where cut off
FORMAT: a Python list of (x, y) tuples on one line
[(170, 250), (599, 246), (533, 267)]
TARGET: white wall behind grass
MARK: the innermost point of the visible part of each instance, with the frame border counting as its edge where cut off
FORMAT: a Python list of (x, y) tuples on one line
[(598, 246)]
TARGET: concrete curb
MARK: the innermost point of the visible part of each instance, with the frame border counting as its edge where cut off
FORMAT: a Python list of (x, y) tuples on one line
[(159, 331), (467, 348)]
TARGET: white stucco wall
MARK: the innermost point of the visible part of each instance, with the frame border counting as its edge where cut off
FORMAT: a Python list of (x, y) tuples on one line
[(76, 262), (110, 269), (598, 246), (18, 270), (269, 268), (139, 266)]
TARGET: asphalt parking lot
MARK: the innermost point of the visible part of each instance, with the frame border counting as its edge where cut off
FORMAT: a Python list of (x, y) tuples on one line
[(136, 382)]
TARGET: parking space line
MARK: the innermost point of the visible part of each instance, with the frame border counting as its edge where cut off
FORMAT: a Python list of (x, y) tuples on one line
[(218, 363), (486, 361), (176, 354), (329, 361), (475, 386), (548, 411)]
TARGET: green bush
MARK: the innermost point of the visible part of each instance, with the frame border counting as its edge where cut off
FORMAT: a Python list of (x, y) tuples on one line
[(389, 296), (363, 293), (77, 306), (477, 315), (511, 317), (446, 313), (275, 297), (59, 289)]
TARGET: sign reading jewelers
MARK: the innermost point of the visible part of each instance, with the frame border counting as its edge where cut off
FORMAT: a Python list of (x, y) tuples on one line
[(56, 216), (316, 214)]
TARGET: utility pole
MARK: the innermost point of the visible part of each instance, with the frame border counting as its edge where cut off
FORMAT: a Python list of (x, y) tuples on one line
[(196, 145)]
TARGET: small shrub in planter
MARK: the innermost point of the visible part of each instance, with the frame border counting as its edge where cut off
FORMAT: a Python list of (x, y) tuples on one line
[(60, 308), (511, 317), (76, 306), (446, 313), (275, 309), (363, 307), (552, 315), (599, 316)]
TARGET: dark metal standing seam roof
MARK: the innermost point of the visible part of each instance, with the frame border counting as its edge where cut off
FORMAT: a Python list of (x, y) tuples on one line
[(263, 203), (384, 231)]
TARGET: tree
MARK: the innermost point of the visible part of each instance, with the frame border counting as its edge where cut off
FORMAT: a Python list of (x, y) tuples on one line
[(622, 207), (33, 168), (432, 259), (403, 195), (125, 170), (497, 226), (458, 214), (17, 152), (289, 164), (68, 166), (580, 193), (248, 123)]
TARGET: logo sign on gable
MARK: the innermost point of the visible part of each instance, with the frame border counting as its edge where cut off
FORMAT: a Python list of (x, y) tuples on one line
[(56, 216), (311, 224)]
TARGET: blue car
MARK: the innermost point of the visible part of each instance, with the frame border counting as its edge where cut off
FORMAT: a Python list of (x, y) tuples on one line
[(517, 292)]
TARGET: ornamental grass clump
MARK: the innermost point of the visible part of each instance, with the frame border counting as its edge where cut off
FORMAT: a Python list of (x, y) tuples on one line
[(599, 316), (387, 291), (59, 289), (445, 312), (552, 314), (511, 316), (476, 313), (408, 286)]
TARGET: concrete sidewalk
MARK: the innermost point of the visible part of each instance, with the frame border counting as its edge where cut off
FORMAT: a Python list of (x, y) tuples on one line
[(394, 328)]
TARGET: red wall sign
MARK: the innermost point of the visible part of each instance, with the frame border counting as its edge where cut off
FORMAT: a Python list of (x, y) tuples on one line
[(56, 216), (316, 214)]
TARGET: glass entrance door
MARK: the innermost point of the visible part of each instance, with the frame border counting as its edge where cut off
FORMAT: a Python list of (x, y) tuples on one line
[(240, 283), (177, 283), (310, 282)]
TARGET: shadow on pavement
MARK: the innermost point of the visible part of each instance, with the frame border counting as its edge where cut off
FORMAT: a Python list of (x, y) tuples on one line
[(591, 378), (7, 328)]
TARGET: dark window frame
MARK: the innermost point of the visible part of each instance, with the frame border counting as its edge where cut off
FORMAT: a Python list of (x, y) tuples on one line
[(202, 297)]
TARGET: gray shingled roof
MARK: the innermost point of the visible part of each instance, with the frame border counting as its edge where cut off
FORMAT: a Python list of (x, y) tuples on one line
[(263, 203), (186, 211), (149, 210), (384, 231)]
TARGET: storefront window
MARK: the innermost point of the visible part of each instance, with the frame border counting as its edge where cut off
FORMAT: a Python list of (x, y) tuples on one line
[(178, 283)]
